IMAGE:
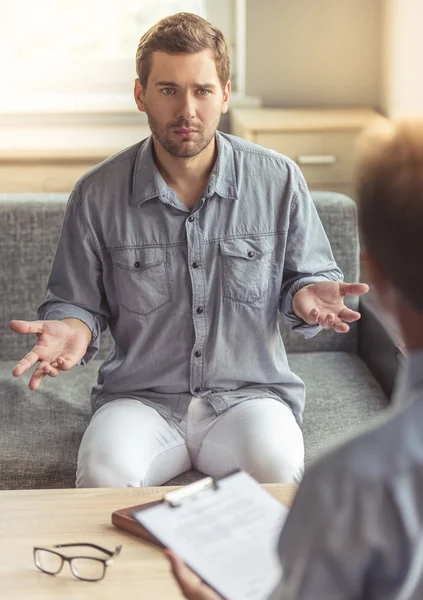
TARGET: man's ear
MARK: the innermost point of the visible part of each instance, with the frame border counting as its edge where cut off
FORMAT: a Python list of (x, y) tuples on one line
[(226, 97), (384, 289), (139, 95)]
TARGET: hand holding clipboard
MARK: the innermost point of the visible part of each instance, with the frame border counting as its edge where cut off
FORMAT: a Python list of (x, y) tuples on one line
[(225, 530)]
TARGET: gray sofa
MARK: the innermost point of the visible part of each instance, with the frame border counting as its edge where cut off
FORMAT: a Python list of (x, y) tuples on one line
[(349, 377)]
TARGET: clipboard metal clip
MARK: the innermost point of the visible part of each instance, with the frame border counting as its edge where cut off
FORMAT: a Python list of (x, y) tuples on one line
[(176, 497)]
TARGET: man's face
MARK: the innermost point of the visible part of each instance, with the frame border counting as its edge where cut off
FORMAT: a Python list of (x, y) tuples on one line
[(183, 101)]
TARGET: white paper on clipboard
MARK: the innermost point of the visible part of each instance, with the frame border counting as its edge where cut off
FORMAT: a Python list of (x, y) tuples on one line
[(227, 531)]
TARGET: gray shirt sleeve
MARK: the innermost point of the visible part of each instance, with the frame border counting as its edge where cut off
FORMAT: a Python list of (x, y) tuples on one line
[(340, 541), (308, 257), (75, 286)]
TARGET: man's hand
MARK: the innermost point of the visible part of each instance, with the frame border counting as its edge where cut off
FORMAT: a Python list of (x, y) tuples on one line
[(191, 586), (322, 303), (60, 346)]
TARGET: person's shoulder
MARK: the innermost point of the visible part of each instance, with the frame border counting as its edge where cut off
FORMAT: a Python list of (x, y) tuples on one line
[(254, 154), (390, 446), (112, 171)]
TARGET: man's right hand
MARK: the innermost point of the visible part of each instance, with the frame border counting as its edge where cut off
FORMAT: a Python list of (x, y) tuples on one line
[(60, 346)]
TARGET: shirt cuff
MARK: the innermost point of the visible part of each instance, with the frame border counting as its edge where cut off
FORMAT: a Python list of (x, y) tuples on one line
[(59, 311)]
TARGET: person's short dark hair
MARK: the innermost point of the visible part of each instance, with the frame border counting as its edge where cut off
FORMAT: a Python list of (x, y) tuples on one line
[(179, 34), (389, 181)]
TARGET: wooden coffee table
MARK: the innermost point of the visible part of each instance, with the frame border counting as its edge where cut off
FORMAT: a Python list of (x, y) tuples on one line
[(45, 517)]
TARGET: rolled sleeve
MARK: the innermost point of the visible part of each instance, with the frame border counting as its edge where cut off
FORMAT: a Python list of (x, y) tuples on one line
[(53, 310), (75, 286), (308, 257)]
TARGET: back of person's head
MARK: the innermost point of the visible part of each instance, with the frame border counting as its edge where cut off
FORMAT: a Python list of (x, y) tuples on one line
[(390, 198), (179, 34)]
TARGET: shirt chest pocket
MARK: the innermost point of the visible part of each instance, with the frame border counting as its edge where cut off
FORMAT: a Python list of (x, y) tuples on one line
[(142, 279), (246, 268)]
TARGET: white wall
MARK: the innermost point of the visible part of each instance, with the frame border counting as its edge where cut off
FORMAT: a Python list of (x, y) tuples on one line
[(315, 52), (402, 92)]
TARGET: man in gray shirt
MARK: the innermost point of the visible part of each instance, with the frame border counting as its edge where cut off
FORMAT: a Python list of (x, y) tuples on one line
[(355, 530), (186, 245)]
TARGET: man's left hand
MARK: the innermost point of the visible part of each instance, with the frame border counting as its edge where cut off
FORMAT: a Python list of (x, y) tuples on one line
[(322, 303), (191, 586)]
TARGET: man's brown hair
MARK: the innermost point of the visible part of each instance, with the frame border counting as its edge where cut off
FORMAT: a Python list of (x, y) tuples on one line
[(182, 33), (390, 197)]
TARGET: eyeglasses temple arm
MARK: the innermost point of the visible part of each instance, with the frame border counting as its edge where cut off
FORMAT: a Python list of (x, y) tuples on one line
[(117, 549)]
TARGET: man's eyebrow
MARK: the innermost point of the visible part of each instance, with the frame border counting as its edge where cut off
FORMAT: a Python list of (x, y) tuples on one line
[(174, 84), (168, 83)]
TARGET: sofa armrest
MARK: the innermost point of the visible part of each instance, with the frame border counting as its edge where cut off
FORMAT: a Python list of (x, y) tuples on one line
[(380, 343)]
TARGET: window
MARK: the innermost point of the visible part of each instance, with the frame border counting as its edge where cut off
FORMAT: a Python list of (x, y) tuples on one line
[(79, 55)]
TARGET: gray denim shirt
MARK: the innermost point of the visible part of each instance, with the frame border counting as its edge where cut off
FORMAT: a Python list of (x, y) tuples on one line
[(355, 530), (191, 297)]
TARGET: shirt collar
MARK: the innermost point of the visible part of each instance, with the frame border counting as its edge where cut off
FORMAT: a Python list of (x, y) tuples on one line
[(148, 182), (223, 177)]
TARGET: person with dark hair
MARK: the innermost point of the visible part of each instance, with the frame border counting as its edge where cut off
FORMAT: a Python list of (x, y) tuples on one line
[(186, 245), (355, 529)]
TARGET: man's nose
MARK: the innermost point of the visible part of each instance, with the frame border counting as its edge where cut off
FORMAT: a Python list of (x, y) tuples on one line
[(187, 107)]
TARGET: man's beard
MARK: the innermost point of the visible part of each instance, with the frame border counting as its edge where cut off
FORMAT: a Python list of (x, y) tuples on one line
[(182, 149)]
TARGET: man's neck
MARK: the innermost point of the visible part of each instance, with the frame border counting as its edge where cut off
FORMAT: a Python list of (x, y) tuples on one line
[(183, 173)]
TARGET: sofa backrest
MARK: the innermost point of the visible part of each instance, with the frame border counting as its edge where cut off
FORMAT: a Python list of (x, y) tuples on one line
[(29, 229), (338, 214)]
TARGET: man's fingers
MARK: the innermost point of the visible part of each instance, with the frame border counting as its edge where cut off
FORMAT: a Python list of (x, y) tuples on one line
[(25, 363), (192, 587), (64, 364), (341, 327), (313, 317), (349, 315), (49, 369), (183, 576), (326, 321), (36, 379), (353, 289), (26, 326), (331, 321), (43, 369)]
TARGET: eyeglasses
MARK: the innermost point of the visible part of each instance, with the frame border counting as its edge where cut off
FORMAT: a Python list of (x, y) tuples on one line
[(87, 568)]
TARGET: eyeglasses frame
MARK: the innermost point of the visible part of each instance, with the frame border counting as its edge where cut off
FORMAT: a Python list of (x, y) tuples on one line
[(106, 561)]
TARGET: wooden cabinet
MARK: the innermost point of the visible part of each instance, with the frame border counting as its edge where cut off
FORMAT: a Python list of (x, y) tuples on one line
[(320, 141), (46, 171), (51, 158)]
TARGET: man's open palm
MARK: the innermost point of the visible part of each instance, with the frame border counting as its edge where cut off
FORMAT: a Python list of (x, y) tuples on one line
[(59, 348), (322, 303)]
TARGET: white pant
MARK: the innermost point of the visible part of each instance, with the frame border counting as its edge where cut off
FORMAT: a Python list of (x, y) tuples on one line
[(128, 443)]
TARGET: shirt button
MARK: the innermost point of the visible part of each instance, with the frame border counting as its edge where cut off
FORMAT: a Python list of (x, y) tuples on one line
[(200, 309), (251, 254), (195, 265), (197, 354), (197, 389), (137, 265), (190, 219)]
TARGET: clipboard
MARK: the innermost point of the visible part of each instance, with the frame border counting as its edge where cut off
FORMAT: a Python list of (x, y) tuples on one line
[(226, 530), (123, 519)]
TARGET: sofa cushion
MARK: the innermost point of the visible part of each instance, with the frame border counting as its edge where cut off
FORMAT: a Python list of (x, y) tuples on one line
[(342, 396), (40, 431)]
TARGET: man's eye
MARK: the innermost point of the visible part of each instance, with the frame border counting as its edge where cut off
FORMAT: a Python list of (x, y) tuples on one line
[(167, 91), (204, 92)]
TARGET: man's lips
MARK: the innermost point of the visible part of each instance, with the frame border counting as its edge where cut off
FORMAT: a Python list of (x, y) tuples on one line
[(185, 131)]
